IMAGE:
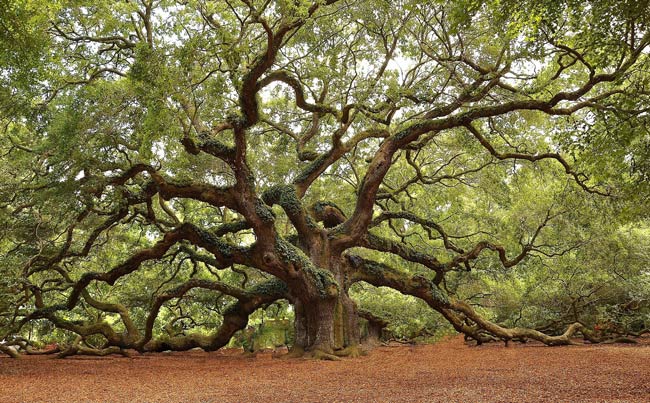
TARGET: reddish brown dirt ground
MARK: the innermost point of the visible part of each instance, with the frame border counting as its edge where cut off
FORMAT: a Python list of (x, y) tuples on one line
[(447, 372)]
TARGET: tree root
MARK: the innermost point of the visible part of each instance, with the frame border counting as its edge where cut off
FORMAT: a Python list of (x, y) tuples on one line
[(354, 351), (323, 355), (295, 352)]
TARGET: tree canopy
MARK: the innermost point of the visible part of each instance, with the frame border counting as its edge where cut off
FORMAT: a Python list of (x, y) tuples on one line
[(171, 167)]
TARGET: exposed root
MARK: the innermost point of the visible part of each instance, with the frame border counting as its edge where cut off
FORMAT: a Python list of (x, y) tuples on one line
[(316, 353), (354, 351), (323, 355), (295, 352)]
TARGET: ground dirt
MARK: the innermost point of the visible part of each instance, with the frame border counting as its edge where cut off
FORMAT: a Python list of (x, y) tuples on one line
[(449, 371)]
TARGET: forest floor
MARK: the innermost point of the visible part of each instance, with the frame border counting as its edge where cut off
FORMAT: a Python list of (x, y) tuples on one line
[(449, 371)]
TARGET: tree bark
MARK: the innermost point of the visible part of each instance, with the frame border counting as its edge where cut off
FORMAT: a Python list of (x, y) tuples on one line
[(11, 352), (326, 325)]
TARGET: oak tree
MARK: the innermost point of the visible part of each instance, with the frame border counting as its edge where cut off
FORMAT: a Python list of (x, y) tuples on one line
[(167, 161)]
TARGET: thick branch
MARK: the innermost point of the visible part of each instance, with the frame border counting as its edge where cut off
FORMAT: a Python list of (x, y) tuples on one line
[(516, 333), (358, 223), (250, 86), (235, 317), (382, 275), (285, 196), (223, 251), (375, 242), (283, 76)]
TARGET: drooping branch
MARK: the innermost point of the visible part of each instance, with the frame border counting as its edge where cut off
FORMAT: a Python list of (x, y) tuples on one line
[(407, 253), (120, 340), (515, 333), (405, 215), (235, 316), (132, 332), (223, 251), (9, 350), (379, 274), (359, 221), (382, 275), (99, 327), (78, 348)]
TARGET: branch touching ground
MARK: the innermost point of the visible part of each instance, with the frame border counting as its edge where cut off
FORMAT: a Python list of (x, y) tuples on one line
[(77, 348), (457, 312), (9, 350)]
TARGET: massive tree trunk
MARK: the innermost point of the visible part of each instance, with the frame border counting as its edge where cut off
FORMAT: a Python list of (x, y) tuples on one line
[(326, 324), (375, 328)]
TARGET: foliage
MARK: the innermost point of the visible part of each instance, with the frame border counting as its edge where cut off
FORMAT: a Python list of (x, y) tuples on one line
[(172, 169)]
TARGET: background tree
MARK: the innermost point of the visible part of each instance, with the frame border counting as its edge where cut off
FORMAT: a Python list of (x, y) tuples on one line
[(171, 165)]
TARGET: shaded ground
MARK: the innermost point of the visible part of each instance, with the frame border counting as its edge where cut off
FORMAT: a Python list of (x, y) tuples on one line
[(446, 372)]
